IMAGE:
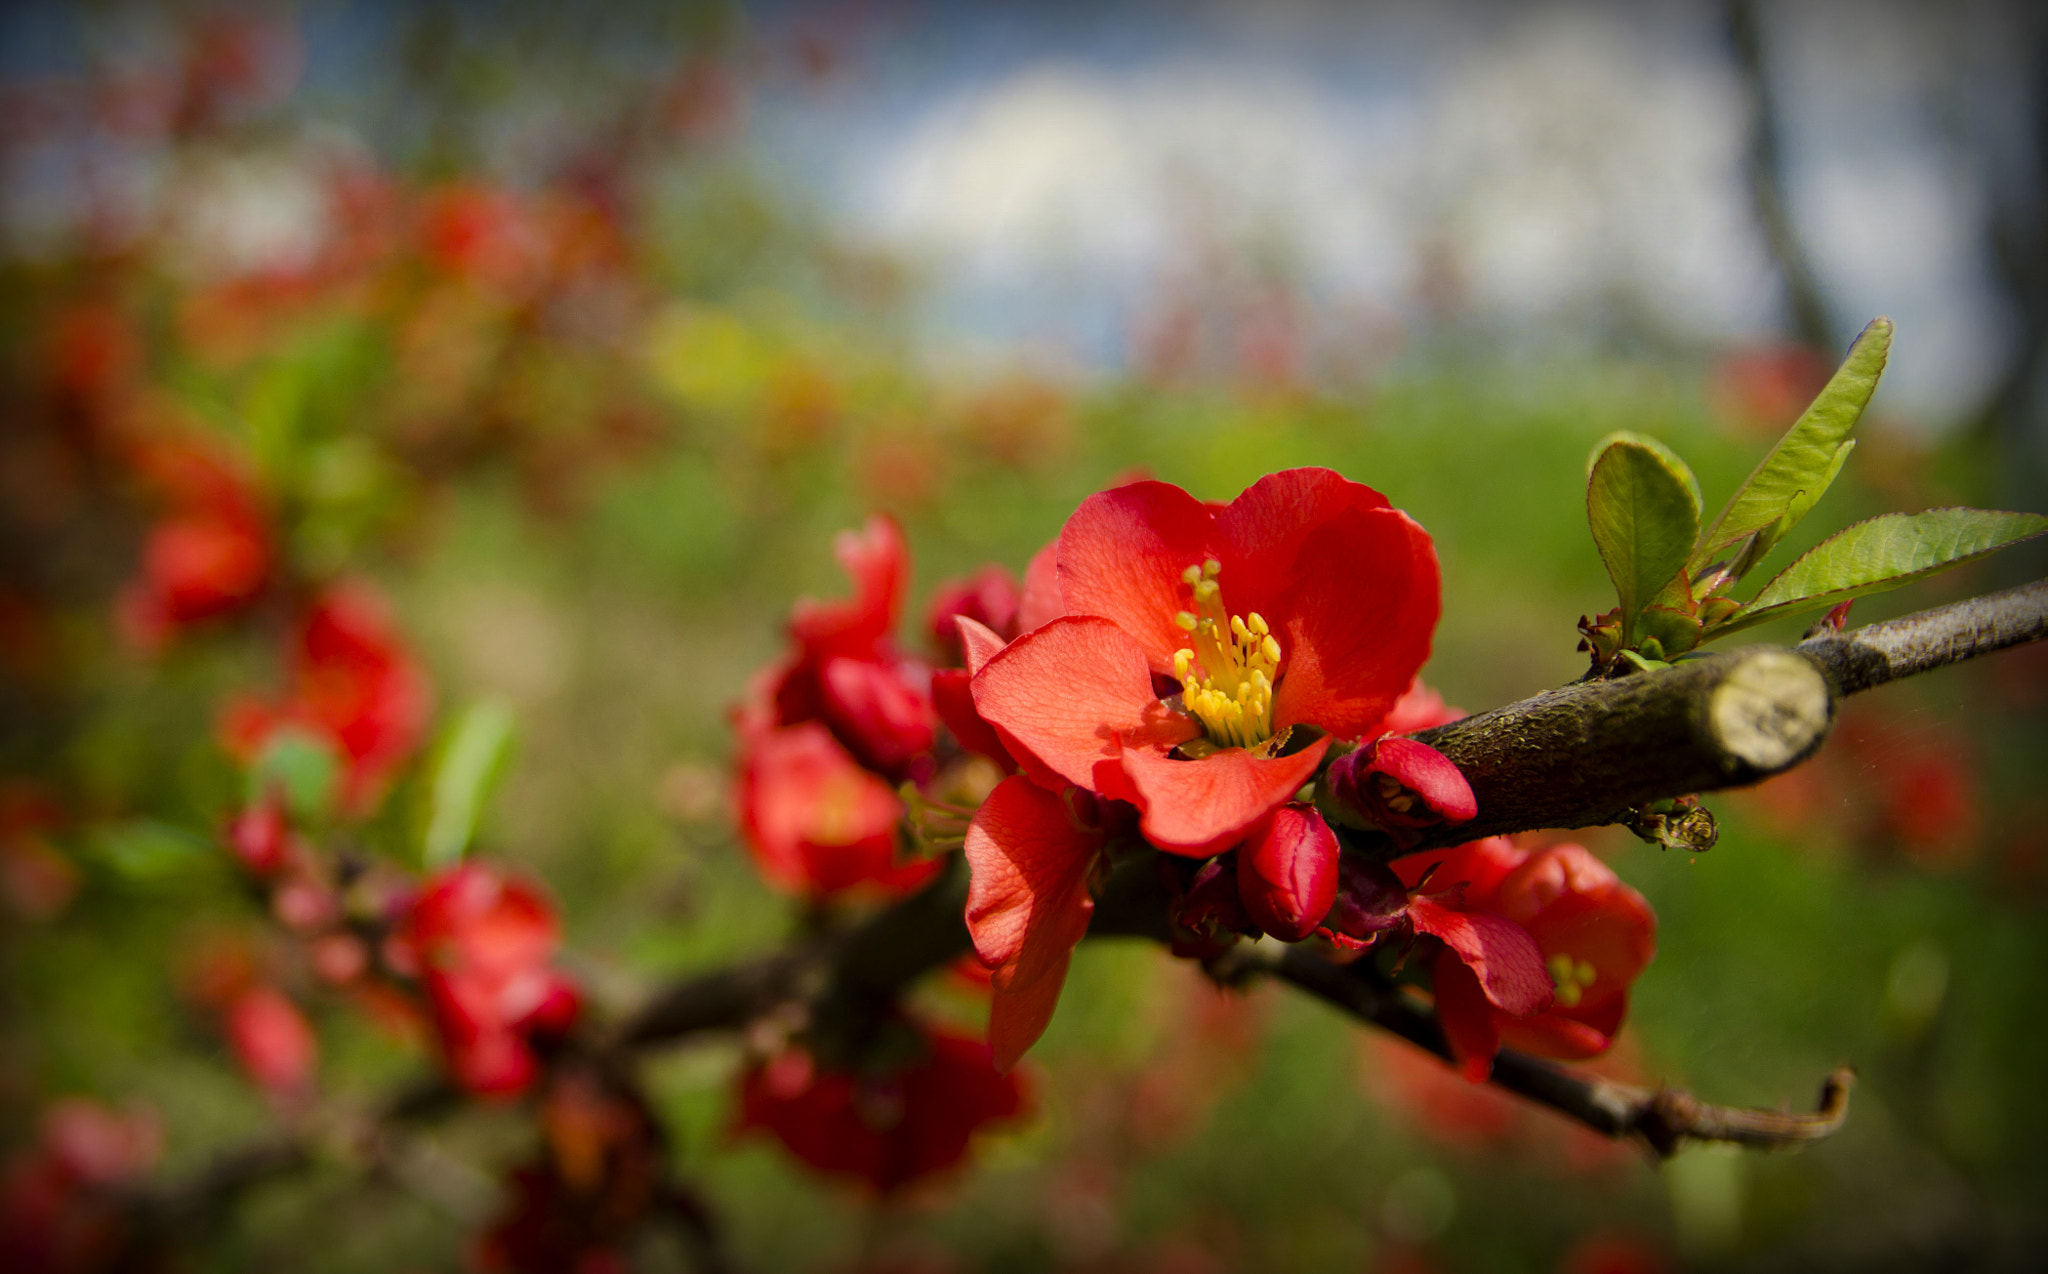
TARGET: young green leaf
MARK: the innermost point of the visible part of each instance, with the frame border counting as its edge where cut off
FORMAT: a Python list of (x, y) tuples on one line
[(1644, 507), (301, 765), (472, 755), (1882, 553), (1806, 460)]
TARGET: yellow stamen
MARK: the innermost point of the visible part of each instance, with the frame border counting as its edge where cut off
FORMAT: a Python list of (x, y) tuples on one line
[(1227, 670)]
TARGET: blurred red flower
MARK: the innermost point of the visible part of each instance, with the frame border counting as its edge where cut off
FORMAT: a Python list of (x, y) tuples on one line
[(888, 1128), (209, 556), (272, 1041), (483, 948), (353, 683), (55, 1217), (817, 823), (1595, 934), (846, 671)]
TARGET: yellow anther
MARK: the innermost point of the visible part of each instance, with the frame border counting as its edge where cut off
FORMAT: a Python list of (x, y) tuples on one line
[(1227, 669), (1571, 977)]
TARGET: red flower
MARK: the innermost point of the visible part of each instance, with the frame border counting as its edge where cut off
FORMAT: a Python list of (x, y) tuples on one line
[(272, 1041), (1596, 935), (208, 557), (846, 671), (816, 821), (1336, 597), (600, 1180), (1487, 962), (483, 948), (888, 1129), (355, 683), (1332, 599), (57, 1211), (989, 598)]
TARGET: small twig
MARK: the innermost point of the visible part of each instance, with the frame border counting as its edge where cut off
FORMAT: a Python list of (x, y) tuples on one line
[(1867, 657), (1662, 1118)]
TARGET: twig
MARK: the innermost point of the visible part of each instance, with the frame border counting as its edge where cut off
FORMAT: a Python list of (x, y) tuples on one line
[(1662, 1118), (1866, 657)]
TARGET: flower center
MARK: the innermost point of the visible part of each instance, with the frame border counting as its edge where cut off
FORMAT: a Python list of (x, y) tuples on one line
[(1226, 670), (1572, 978)]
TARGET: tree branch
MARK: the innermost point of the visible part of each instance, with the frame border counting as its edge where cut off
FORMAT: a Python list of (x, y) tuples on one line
[(1570, 757), (1584, 754), (1867, 657)]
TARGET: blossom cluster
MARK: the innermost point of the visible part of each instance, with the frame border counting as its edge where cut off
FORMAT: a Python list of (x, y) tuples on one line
[(1234, 685)]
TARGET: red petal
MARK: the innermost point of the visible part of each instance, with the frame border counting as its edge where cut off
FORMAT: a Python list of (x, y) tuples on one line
[(816, 821), (1422, 770), (1042, 602), (1287, 872), (1027, 900), (1203, 807), (954, 699), (1500, 953), (1072, 694), (978, 643), (1465, 1016), (876, 560), (1553, 1035), (1121, 556), (1419, 709), (1017, 1016), (881, 710), (1478, 865), (1263, 529), (1355, 623)]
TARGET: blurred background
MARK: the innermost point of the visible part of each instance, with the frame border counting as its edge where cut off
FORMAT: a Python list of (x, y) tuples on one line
[(580, 331)]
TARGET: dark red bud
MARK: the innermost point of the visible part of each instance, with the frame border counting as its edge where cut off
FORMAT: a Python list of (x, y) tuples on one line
[(1207, 916), (1370, 901), (1401, 785)]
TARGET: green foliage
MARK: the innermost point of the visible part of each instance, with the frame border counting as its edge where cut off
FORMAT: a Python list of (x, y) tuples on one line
[(303, 767), (1882, 553), (1806, 460), (1644, 507), (468, 762)]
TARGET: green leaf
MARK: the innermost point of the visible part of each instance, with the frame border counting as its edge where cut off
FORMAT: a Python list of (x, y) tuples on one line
[(472, 756), (145, 851), (1644, 507), (1882, 553), (301, 764), (1806, 460)]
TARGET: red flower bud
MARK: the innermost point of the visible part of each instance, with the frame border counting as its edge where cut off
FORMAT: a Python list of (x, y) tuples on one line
[(259, 836), (1287, 872), (1208, 916), (272, 1040), (1402, 785)]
